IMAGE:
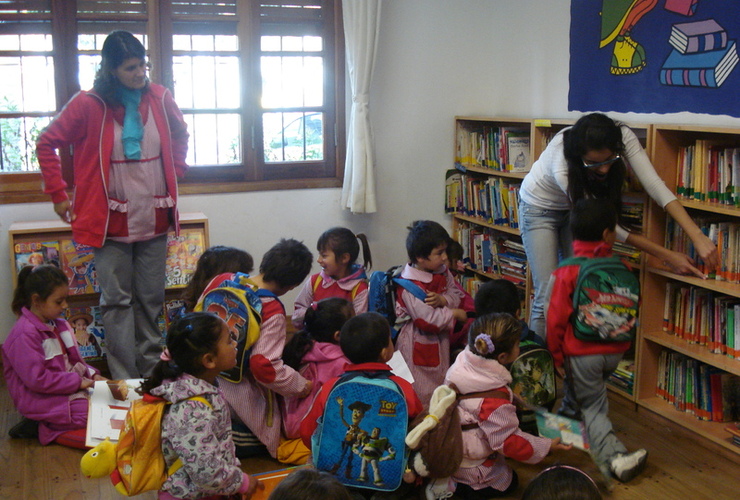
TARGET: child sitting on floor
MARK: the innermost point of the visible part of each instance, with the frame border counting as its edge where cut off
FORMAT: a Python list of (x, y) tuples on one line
[(46, 376)]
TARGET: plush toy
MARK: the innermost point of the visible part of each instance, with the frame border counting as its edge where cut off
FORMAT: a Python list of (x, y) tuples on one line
[(100, 462)]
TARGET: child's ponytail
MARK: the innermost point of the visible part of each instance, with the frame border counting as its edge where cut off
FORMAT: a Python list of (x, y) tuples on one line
[(188, 340), (323, 319), (341, 240), (493, 334), (40, 280)]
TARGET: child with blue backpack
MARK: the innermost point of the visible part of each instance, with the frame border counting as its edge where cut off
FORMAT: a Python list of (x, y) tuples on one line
[(366, 341), (341, 276), (586, 365), (253, 399), (424, 340)]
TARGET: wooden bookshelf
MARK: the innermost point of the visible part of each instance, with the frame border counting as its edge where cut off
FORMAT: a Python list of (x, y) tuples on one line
[(667, 141)]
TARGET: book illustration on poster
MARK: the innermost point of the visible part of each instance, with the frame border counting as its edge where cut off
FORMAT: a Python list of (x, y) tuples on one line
[(36, 253), (683, 7), (698, 36), (78, 263), (107, 411), (89, 332), (570, 431), (702, 69), (183, 252)]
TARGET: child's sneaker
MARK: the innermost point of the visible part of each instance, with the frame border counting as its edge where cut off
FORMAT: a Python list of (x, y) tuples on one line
[(625, 466)]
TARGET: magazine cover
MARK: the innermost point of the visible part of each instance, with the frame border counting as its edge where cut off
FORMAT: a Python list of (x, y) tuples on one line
[(182, 256), (88, 330), (35, 253), (78, 263)]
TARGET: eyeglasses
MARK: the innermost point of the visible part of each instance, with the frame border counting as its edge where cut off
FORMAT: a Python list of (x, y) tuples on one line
[(601, 163)]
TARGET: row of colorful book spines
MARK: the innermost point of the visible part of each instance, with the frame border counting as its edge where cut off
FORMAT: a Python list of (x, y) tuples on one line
[(713, 346), (492, 142), (723, 198), (728, 243), (492, 200), (698, 388)]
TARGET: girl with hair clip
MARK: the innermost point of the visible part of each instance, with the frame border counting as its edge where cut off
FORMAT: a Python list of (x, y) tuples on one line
[(590, 160), (129, 143), (46, 376), (196, 426), (562, 482), (315, 353), (340, 276), (490, 426)]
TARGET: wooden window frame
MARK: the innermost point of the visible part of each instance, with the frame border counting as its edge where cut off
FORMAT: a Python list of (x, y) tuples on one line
[(252, 174)]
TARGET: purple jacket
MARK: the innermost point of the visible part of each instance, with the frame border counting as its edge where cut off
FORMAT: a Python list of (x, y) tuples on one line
[(35, 371), (323, 362)]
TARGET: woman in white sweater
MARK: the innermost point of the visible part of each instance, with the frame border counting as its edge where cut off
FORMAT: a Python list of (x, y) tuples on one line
[(590, 159)]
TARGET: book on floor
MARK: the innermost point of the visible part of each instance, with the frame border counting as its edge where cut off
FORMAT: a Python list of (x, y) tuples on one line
[(109, 403)]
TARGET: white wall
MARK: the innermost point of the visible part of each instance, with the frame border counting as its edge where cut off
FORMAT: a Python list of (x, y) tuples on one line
[(436, 59)]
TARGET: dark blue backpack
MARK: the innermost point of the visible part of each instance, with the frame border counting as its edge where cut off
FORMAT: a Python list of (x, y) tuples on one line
[(382, 295)]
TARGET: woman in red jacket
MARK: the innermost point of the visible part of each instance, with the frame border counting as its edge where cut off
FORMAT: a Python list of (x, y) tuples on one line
[(129, 143)]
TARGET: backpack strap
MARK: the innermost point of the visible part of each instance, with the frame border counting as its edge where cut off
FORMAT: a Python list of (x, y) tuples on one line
[(316, 282), (498, 394), (177, 464), (412, 287)]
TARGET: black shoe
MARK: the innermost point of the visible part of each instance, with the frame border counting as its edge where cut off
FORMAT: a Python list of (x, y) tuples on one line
[(25, 429)]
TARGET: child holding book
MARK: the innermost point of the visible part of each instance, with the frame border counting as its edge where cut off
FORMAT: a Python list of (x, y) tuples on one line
[(587, 365), (424, 340), (196, 426), (490, 427), (340, 276), (46, 376), (253, 400)]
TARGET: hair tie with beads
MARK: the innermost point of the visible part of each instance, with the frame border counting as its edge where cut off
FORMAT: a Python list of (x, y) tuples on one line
[(487, 340)]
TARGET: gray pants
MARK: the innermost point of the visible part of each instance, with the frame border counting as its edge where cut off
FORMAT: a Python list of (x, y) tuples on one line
[(132, 277), (585, 397)]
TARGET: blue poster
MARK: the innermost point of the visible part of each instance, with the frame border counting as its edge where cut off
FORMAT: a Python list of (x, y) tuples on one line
[(655, 56)]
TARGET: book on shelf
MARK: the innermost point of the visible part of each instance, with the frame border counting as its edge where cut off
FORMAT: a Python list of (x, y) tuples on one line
[(78, 263), (702, 69), (108, 405), (35, 253), (183, 252), (734, 431), (518, 151), (88, 330), (698, 36)]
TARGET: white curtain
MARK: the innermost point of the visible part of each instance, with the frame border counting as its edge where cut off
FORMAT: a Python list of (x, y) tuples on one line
[(361, 27)]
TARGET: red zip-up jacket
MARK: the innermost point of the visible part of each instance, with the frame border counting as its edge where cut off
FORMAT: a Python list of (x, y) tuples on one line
[(560, 339), (86, 124)]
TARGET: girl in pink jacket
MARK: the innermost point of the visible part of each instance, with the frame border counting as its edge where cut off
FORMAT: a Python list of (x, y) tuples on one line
[(46, 376), (315, 353), (495, 434)]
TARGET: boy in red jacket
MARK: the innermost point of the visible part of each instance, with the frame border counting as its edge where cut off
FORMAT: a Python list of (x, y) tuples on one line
[(586, 366)]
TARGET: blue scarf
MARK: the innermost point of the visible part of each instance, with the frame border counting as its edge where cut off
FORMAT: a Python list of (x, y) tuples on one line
[(133, 128)]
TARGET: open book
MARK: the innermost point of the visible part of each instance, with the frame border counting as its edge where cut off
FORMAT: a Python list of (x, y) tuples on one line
[(109, 402)]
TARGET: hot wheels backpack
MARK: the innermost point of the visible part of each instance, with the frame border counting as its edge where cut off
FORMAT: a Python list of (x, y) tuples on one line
[(236, 300), (605, 300), (382, 295), (360, 436), (135, 463)]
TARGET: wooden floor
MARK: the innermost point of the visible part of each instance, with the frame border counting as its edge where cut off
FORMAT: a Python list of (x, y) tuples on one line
[(679, 465)]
